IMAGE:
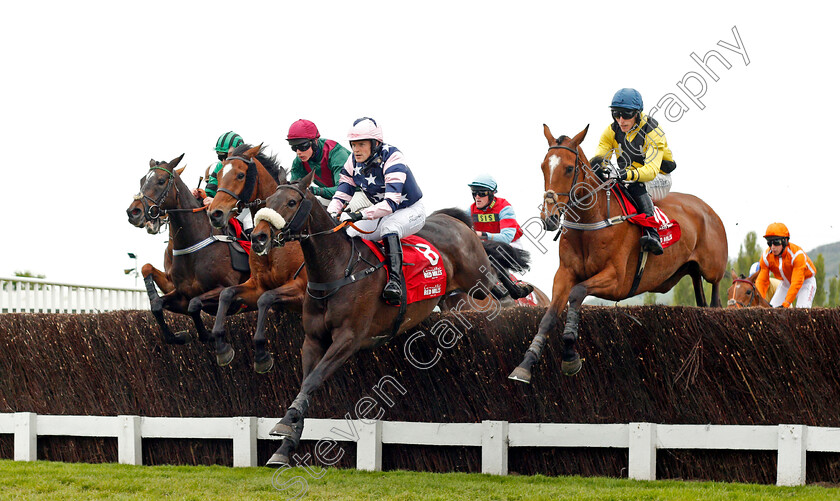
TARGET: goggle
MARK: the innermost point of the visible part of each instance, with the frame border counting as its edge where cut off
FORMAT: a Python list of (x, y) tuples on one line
[(302, 146), (222, 156), (480, 194), (775, 241), (625, 114)]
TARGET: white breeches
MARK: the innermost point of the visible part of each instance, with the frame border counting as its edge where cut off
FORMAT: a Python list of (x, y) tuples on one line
[(403, 222), (804, 298)]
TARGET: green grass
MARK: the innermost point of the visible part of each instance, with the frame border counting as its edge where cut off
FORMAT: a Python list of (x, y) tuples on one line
[(66, 481)]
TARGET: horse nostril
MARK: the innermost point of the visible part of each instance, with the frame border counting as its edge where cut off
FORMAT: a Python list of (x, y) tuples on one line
[(216, 214)]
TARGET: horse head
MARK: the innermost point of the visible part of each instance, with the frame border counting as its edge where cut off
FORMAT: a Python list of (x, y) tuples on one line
[(156, 194), (237, 184), (564, 172), (743, 292), (285, 213)]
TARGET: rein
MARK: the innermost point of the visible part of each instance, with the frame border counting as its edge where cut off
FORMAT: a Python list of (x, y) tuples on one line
[(252, 183)]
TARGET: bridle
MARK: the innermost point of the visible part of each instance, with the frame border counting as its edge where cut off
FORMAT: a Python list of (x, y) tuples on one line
[(292, 230), (574, 202), (154, 211), (251, 186), (752, 297)]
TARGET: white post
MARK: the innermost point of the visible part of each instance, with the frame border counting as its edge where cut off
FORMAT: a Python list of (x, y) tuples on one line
[(26, 436), (245, 441), (369, 447), (130, 440), (790, 465), (494, 447), (642, 454)]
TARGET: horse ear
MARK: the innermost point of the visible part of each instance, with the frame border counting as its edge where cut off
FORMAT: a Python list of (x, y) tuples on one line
[(548, 136), (306, 180), (179, 171), (207, 171), (252, 152), (174, 162), (579, 138), (152, 163), (734, 275)]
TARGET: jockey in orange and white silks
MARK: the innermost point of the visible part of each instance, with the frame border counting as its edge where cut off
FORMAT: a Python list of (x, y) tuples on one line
[(380, 170), (789, 263)]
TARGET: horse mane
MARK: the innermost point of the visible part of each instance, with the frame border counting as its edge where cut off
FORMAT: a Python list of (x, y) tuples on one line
[(561, 139), (271, 164), (459, 214)]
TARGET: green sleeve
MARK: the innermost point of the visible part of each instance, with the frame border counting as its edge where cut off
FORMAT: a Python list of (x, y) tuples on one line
[(338, 157), (297, 171), (213, 181)]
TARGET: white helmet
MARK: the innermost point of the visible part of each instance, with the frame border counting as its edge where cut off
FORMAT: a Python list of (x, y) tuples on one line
[(754, 268), (365, 128)]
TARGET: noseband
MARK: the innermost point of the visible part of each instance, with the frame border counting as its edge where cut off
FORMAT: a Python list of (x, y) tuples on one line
[(251, 182), (752, 297), (154, 211)]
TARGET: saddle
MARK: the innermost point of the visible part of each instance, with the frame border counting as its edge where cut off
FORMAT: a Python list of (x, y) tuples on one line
[(668, 229), (241, 248), (423, 271)]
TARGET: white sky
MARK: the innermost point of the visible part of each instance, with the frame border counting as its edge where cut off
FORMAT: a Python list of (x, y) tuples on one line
[(92, 90)]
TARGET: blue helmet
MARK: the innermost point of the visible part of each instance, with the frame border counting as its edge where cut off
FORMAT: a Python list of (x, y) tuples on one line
[(483, 182), (627, 98)]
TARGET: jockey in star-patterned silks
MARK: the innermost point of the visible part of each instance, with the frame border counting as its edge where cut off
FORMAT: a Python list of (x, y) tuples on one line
[(380, 170)]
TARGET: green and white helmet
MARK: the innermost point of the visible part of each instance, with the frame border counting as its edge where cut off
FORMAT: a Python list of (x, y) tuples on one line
[(227, 141)]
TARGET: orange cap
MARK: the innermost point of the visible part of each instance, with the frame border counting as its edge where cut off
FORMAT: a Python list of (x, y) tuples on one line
[(777, 230)]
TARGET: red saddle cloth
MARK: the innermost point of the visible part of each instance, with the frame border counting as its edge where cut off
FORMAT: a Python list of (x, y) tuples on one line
[(669, 229), (239, 235), (425, 276)]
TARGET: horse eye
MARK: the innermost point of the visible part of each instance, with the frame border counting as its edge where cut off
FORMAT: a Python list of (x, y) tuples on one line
[(161, 181), (749, 293), (569, 169), (240, 175), (292, 203)]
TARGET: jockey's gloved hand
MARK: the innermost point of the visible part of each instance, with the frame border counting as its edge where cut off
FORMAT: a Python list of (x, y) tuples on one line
[(355, 216), (621, 174), (317, 191)]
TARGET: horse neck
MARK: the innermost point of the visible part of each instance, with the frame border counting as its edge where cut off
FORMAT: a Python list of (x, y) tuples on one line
[(266, 184), (187, 228), (325, 255), (599, 210)]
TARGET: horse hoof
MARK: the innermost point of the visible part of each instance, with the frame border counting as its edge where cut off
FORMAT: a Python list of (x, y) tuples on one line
[(521, 375), (278, 460), (263, 366), (571, 367), (225, 357), (282, 430)]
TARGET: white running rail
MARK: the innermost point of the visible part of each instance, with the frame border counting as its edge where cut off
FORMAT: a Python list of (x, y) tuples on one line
[(32, 295), (790, 442)]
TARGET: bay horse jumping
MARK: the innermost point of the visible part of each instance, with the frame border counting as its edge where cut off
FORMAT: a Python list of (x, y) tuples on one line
[(137, 217), (343, 310), (201, 265), (599, 256), (277, 278), (744, 294)]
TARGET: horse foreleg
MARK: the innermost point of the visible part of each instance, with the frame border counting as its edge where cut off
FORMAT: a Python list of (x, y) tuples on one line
[(162, 279), (224, 351), (288, 295), (157, 305), (312, 353), (716, 295), (209, 300)]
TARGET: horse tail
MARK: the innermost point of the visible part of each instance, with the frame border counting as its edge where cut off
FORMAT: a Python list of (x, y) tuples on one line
[(507, 256), (459, 214)]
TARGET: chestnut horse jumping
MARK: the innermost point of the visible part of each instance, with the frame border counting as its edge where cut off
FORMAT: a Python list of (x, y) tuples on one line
[(197, 272), (343, 310), (599, 256), (277, 278)]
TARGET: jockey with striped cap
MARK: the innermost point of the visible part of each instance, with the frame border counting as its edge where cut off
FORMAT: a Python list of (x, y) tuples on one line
[(380, 170), (226, 143), (789, 263), (493, 217)]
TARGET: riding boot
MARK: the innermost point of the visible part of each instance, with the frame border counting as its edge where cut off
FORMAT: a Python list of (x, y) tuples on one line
[(393, 289), (650, 237)]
